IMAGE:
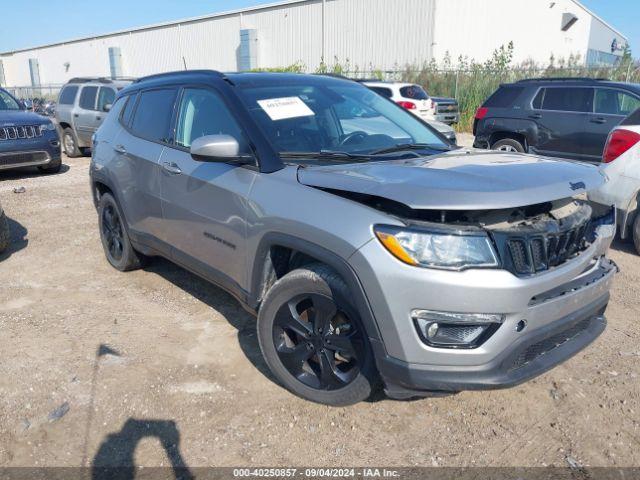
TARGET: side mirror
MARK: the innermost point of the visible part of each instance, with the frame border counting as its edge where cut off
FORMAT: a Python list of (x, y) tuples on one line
[(107, 107), (215, 148)]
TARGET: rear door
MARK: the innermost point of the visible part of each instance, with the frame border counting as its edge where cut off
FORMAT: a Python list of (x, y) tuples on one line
[(610, 107), (85, 114), (204, 203), (561, 115), (147, 119)]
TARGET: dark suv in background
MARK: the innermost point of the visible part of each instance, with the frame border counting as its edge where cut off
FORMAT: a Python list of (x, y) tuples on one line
[(559, 117)]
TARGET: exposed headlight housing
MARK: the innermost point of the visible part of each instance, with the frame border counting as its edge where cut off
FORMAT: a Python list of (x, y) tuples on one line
[(438, 249), (47, 126)]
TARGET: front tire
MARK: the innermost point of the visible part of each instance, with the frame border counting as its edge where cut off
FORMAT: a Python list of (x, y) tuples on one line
[(70, 143), (312, 338), (508, 145), (636, 233), (115, 239), (5, 233)]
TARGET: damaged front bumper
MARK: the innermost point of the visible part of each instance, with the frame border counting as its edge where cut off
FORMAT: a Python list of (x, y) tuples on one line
[(546, 318)]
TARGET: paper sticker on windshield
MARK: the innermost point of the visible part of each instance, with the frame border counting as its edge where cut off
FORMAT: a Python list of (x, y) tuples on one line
[(287, 107)]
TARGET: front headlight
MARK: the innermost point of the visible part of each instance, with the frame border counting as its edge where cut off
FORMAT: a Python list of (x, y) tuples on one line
[(431, 249), (47, 126)]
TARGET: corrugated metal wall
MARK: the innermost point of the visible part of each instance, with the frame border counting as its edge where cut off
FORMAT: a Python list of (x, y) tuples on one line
[(378, 33)]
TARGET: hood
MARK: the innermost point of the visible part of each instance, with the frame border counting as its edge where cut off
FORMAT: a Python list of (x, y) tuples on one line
[(444, 100), (460, 180), (9, 118)]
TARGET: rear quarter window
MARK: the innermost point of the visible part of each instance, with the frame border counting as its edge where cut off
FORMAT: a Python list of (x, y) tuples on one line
[(633, 119), (504, 97), (127, 112), (385, 92), (68, 95)]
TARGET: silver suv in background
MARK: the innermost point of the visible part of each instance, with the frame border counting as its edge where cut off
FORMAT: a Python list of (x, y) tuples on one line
[(369, 257), (82, 107)]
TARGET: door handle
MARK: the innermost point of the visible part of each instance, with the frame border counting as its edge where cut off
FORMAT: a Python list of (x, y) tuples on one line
[(120, 149), (76, 115), (598, 120), (171, 168), (98, 117), (536, 115)]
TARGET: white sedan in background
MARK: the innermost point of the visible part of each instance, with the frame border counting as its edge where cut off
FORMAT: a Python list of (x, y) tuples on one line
[(621, 163)]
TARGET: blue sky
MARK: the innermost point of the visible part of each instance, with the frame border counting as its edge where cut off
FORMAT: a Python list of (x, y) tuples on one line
[(25, 25)]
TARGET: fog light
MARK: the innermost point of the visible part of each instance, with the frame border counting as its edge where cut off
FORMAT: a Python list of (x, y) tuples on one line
[(432, 330), (455, 330)]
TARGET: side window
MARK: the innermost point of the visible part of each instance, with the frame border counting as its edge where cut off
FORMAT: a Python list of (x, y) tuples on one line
[(537, 102), (88, 98), (615, 102), (127, 112), (105, 97), (202, 112), (68, 95), (152, 119), (568, 99), (385, 92), (504, 97)]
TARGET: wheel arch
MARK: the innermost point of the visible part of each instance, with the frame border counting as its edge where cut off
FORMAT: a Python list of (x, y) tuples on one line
[(278, 253), (505, 134), (630, 214)]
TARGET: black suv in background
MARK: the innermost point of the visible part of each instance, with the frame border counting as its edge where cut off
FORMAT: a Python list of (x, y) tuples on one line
[(558, 117)]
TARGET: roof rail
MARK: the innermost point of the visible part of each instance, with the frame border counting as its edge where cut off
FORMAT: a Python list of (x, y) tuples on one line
[(100, 79), (564, 79), (335, 75), (180, 73)]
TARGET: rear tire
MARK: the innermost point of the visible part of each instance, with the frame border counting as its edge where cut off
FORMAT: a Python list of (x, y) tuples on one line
[(636, 233), (508, 145), (70, 143), (312, 338), (115, 239), (5, 233)]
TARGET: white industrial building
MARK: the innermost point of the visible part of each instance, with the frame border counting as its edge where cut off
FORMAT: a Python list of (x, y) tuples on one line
[(371, 34)]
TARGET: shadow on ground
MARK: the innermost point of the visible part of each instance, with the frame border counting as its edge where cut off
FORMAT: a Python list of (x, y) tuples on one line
[(222, 302), (30, 172), (115, 456), (19, 238)]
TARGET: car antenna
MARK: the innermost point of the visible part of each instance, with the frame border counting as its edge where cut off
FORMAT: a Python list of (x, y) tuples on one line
[(184, 62)]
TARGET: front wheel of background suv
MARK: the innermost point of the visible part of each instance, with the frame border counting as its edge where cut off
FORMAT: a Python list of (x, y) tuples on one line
[(636, 233), (115, 239), (508, 145), (70, 143), (312, 339), (5, 233)]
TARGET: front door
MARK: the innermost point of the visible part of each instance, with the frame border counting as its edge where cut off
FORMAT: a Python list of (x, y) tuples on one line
[(204, 203)]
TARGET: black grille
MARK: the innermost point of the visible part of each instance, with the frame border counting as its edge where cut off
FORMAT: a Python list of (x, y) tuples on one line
[(20, 132), (548, 344), (529, 252), (22, 158)]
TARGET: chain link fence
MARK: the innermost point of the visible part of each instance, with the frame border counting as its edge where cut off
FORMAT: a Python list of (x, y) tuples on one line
[(46, 92)]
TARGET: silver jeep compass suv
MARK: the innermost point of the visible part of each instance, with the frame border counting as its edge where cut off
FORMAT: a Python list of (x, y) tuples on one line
[(370, 255)]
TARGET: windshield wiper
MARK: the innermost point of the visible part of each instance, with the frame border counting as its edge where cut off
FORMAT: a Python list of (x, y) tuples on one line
[(327, 155), (412, 146)]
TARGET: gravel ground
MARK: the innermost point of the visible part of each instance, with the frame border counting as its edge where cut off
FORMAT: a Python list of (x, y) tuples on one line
[(99, 367)]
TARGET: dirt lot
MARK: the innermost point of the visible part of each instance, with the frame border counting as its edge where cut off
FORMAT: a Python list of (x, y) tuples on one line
[(101, 367)]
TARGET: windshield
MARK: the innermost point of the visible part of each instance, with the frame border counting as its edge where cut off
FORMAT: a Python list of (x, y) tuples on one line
[(333, 117), (7, 102)]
